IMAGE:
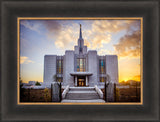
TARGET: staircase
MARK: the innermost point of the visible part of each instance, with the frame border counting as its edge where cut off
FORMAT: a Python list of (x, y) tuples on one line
[(82, 94)]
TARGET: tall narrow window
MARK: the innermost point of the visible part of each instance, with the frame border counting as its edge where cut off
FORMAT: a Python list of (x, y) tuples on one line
[(81, 64), (59, 66), (102, 66)]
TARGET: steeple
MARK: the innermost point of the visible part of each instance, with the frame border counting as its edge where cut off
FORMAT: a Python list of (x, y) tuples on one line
[(80, 48), (80, 34)]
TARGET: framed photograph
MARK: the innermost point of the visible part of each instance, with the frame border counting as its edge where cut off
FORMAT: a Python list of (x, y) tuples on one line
[(85, 60), (112, 45)]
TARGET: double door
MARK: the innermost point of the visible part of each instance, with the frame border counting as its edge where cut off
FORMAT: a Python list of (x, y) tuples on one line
[(81, 81)]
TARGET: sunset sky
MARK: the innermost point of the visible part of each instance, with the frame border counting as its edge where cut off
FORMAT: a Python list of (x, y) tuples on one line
[(41, 37)]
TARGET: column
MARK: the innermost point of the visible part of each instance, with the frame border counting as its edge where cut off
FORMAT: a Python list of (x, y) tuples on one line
[(55, 88), (86, 80), (75, 81)]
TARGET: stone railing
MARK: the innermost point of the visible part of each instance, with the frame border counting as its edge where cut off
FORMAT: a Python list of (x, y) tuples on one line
[(100, 93), (65, 92)]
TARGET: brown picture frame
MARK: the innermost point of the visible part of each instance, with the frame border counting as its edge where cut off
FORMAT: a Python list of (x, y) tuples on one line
[(148, 10)]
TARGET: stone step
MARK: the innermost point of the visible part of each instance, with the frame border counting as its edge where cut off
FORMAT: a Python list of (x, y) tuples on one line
[(81, 88), (83, 101), (82, 95), (83, 92)]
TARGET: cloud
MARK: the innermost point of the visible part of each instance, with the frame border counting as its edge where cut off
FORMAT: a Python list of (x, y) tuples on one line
[(99, 34), (87, 43), (67, 38), (114, 26), (65, 35), (102, 30), (105, 51), (25, 60), (53, 28), (31, 25), (96, 38), (129, 45), (61, 37), (62, 34), (99, 40), (137, 77)]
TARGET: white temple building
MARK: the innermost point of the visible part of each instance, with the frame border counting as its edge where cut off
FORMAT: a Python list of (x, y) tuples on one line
[(81, 67)]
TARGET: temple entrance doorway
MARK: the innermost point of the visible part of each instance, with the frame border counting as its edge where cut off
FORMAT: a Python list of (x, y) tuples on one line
[(81, 81)]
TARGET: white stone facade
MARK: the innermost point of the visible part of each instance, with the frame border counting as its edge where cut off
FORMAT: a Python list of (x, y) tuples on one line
[(93, 67), (81, 67), (49, 68), (68, 68)]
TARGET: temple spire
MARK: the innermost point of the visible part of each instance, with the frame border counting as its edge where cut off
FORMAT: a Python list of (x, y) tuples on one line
[(80, 34), (80, 41)]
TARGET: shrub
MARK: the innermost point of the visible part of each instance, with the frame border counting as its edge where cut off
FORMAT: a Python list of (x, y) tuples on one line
[(117, 94), (38, 84), (46, 95)]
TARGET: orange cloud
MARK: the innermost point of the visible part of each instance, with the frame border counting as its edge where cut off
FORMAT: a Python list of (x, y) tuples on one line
[(67, 38), (114, 26), (96, 37), (25, 60), (87, 43), (105, 51), (137, 77), (99, 40)]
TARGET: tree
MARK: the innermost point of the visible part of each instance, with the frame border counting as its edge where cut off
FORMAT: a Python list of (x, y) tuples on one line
[(46, 95), (22, 90), (38, 84), (20, 80)]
